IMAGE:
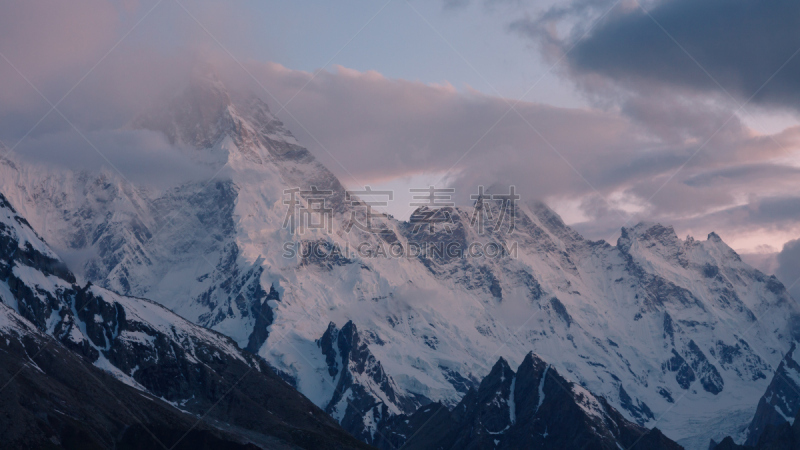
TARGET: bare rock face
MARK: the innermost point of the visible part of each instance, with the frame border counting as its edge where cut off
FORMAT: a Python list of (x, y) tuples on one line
[(364, 396)]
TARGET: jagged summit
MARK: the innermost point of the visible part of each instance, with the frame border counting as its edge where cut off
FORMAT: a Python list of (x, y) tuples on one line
[(657, 232), (206, 113), (650, 231)]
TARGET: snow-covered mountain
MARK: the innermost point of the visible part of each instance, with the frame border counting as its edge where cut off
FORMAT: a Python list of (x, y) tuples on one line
[(179, 372), (675, 332)]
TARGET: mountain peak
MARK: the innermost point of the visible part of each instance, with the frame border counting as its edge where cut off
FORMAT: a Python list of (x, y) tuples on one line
[(206, 113), (501, 365), (498, 379), (653, 229), (532, 409), (193, 116), (781, 400), (532, 359), (651, 232), (204, 75)]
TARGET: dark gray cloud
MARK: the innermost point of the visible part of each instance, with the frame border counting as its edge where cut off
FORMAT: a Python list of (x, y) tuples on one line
[(455, 4), (746, 46)]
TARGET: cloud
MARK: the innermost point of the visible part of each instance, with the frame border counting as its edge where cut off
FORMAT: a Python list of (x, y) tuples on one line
[(48, 41), (108, 60), (669, 70), (488, 4), (377, 127), (749, 48), (366, 126), (142, 157), (788, 270)]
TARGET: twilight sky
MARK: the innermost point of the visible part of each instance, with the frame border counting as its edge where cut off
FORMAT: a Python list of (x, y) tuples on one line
[(612, 111)]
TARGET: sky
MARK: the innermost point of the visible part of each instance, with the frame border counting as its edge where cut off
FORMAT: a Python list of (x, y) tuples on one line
[(682, 112)]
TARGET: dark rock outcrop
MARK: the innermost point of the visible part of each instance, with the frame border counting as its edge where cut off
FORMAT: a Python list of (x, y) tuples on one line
[(533, 408), (781, 399), (365, 396)]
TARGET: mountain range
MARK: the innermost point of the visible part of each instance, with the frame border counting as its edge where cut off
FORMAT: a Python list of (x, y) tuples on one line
[(656, 330), (182, 386)]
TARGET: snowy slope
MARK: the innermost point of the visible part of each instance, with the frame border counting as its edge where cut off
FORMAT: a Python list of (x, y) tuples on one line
[(656, 324), (144, 346)]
